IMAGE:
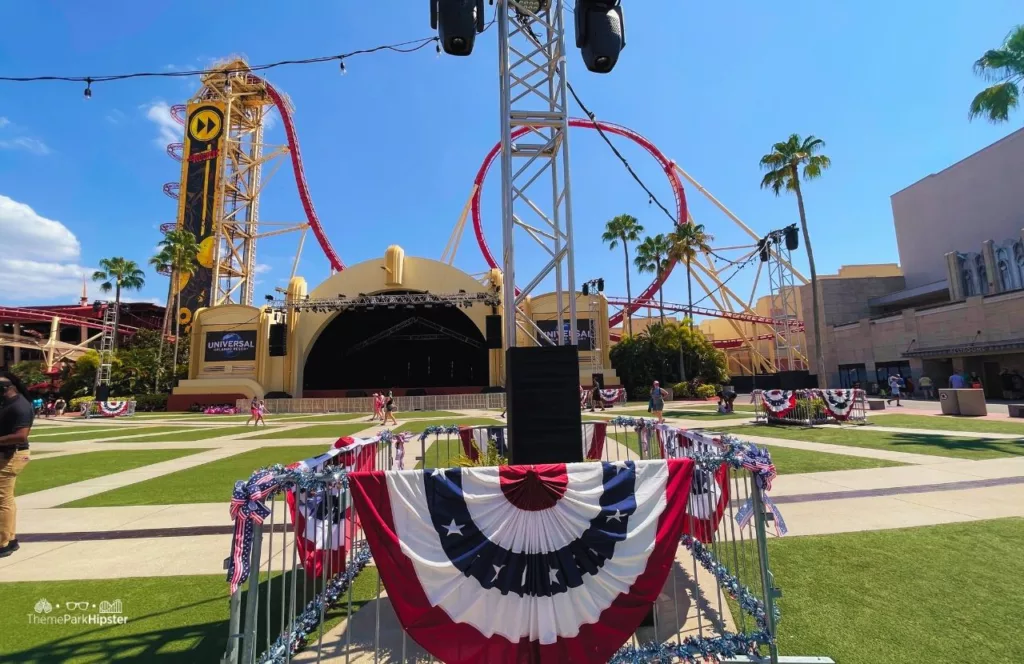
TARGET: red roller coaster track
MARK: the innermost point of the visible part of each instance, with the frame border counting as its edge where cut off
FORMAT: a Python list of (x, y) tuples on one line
[(701, 311), (44, 316)]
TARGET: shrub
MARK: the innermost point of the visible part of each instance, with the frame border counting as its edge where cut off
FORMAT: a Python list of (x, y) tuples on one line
[(682, 390), (150, 403), (706, 391), (76, 403)]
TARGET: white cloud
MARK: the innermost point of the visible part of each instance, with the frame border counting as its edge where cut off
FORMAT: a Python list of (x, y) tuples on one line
[(262, 268), (169, 130), (33, 236), (115, 116), (33, 145), (46, 266), (4, 122), (147, 300)]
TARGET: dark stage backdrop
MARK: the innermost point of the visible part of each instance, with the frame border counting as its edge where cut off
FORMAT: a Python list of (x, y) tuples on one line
[(421, 347)]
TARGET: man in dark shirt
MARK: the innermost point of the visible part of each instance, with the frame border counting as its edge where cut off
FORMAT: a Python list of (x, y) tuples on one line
[(15, 424)]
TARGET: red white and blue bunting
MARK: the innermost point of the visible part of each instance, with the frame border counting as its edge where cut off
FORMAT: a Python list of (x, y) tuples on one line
[(779, 402), (838, 403), (113, 408), (553, 563)]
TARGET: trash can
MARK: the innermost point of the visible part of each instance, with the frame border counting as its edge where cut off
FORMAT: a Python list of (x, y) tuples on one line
[(971, 403), (949, 402)]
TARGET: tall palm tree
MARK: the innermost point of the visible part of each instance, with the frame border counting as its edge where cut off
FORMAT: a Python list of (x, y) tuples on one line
[(687, 242), (119, 274), (181, 253), (1005, 66), (652, 255), (625, 229), (782, 166), (161, 262)]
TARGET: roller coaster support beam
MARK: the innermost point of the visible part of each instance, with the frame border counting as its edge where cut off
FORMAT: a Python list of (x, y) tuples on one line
[(531, 51), (749, 231)]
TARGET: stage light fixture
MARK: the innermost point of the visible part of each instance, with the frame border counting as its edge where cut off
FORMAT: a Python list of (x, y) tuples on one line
[(600, 285), (457, 23), (268, 298), (88, 88), (792, 239), (532, 6), (600, 33), (586, 289)]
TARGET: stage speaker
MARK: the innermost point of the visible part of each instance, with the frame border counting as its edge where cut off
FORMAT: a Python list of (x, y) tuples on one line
[(494, 331), (542, 388), (792, 238), (597, 380), (103, 393), (278, 340)]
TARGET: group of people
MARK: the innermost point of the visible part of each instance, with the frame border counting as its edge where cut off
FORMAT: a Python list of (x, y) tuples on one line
[(384, 407), (257, 409), (50, 407)]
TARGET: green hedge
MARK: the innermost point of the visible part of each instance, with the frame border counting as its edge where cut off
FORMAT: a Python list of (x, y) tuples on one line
[(144, 403)]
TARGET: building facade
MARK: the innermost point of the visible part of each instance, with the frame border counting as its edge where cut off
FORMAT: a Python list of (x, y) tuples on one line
[(959, 305)]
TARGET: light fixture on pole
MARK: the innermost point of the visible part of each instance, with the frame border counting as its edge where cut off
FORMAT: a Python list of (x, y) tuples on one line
[(600, 33), (457, 23)]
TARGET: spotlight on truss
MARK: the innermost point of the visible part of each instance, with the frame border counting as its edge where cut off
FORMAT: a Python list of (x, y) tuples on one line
[(457, 22), (600, 33)]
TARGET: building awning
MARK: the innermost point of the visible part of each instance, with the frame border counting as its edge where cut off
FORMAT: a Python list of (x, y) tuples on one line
[(909, 296), (1010, 346)]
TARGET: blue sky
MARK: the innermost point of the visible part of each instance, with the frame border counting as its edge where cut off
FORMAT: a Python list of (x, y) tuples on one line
[(391, 148)]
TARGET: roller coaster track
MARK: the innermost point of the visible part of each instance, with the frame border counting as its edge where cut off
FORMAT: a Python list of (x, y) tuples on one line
[(796, 325), (44, 316)]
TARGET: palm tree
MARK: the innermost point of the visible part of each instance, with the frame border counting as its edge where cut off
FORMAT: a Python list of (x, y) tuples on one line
[(782, 166), (119, 274), (161, 262), (181, 253), (1006, 66), (687, 242), (652, 255), (625, 229)]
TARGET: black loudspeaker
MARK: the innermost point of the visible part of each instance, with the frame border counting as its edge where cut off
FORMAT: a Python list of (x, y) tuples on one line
[(103, 393), (792, 239), (278, 340), (542, 387), (494, 331), (457, 22), (597, 380)]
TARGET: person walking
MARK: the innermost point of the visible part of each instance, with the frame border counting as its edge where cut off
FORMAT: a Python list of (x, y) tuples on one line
[(657, 403), (254, 412), (261, 410), (389, 409), (16, 416), (895, 383), (926, 386)]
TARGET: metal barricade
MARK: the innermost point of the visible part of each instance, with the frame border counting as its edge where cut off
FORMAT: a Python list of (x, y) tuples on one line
[(720, 596), (809, 408), (406, 404)]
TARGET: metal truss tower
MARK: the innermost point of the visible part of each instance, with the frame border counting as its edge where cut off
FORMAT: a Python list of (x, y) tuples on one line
[(247, 103), (789, 355), (535, 191)]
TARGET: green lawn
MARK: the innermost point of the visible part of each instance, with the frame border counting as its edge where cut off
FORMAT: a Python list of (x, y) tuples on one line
[(948, 423), (935, 444), (44, 473), (423, 414), (51, 432), (170, 619), (190, 433), (684, 413), (88, 433), (945, 594), (789, 461), (330, 417), (314, 431), (209, 483), (441, 451)]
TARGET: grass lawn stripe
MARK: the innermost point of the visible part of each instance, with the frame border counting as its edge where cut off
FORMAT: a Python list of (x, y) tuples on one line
[(83, 434), (44, 473), (945, 594), (170, 619), (917, 443), (189, 434), (417, 427), (441, 451), (313, 431), (208, 483), (789, 461), (947, 423), (686, 413)]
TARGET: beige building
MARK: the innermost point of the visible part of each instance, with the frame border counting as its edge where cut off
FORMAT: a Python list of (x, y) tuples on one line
[(959, 305)]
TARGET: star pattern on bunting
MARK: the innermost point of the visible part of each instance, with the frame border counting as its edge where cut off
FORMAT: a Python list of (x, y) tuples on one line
[(497, 571), (617, 516), (553, 576), (619, 466), (454, 528)]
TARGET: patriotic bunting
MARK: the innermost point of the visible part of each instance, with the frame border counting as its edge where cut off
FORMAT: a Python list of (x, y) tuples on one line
[(838, 403), (779, 402), (113, 408), (550, 563), (247, 509), (593, 440)]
